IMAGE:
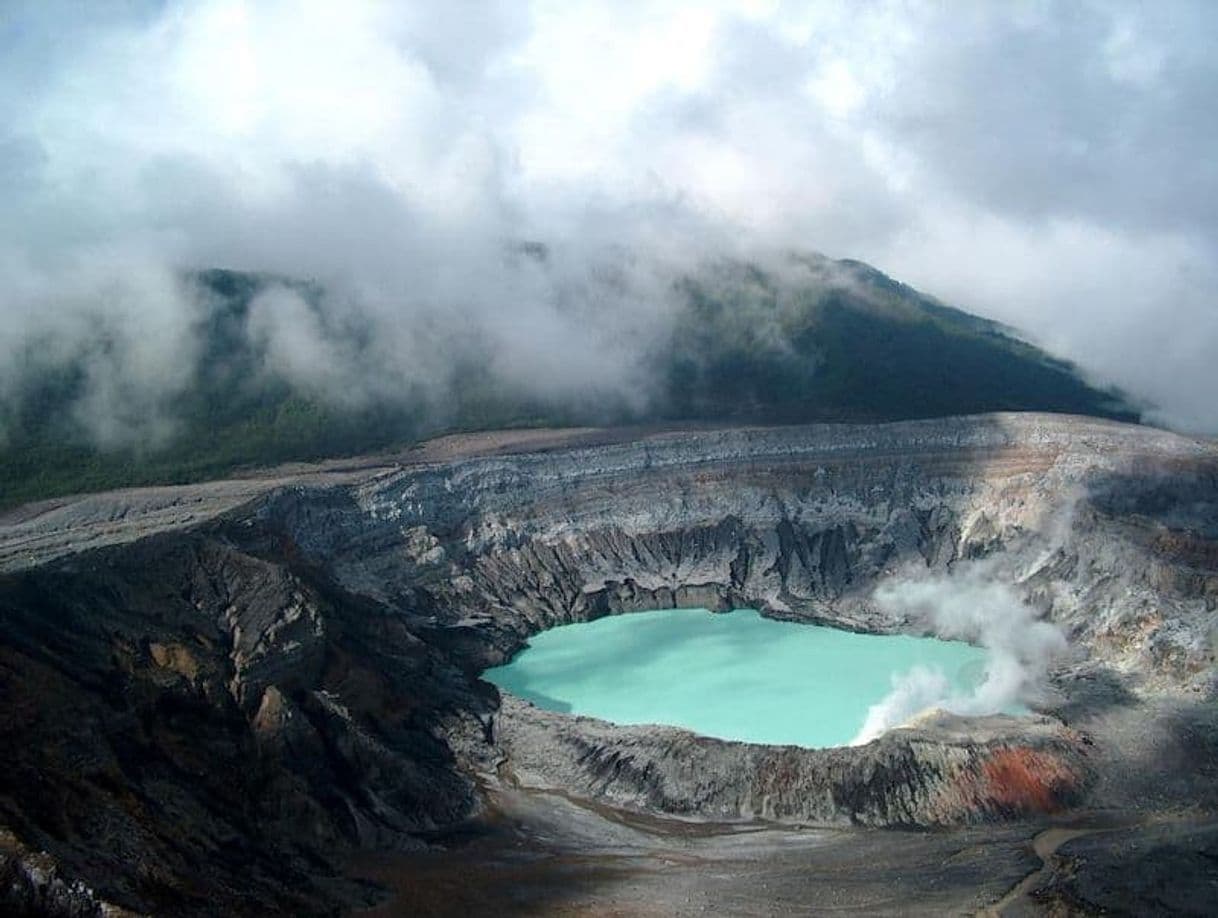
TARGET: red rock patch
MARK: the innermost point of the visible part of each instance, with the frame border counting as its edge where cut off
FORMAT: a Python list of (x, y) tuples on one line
[(1027, 780)]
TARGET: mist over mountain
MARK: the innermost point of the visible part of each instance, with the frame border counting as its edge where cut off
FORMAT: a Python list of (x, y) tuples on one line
[(1043, 166), (269, 368)]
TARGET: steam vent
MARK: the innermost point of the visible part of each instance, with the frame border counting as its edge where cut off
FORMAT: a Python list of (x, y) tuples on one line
[(264, 695)]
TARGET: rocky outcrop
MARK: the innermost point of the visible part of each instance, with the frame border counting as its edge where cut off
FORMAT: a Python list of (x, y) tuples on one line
[(194, 729), (32, 883), (207, 718)]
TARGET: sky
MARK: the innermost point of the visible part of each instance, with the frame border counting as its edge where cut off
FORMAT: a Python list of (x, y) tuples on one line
[(1050, 165)]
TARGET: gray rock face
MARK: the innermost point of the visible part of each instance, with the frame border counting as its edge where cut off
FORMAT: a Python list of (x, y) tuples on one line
[(1096, 523), (232, 704), (943, 772)]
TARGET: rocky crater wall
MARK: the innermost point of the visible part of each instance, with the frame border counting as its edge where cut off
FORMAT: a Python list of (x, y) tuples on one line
[(1082, 516), (297, 676)]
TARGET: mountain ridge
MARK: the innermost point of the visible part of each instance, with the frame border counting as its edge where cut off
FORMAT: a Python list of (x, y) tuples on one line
[(811, 340)]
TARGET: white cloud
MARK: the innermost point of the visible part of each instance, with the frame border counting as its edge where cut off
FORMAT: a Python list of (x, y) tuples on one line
[(1046, 163)]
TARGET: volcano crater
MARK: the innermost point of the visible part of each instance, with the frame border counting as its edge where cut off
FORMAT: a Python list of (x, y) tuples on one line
[(302, 660)]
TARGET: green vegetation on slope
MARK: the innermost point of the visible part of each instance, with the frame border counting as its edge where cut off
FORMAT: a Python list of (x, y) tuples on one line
[(832, 341), (855, 346)]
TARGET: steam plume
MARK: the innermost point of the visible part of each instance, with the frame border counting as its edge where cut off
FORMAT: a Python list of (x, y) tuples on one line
[(967, 605)]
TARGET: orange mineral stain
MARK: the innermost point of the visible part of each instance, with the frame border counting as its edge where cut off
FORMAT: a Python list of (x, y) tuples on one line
[(1027, 780)]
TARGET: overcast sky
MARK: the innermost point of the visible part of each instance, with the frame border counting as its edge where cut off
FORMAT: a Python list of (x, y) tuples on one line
[(1051, 165)]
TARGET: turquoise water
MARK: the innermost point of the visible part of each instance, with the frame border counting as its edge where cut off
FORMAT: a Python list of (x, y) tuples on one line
[(732, 675)]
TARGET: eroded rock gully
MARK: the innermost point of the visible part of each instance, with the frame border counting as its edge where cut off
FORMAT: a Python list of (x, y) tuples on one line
[(205, 718)]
